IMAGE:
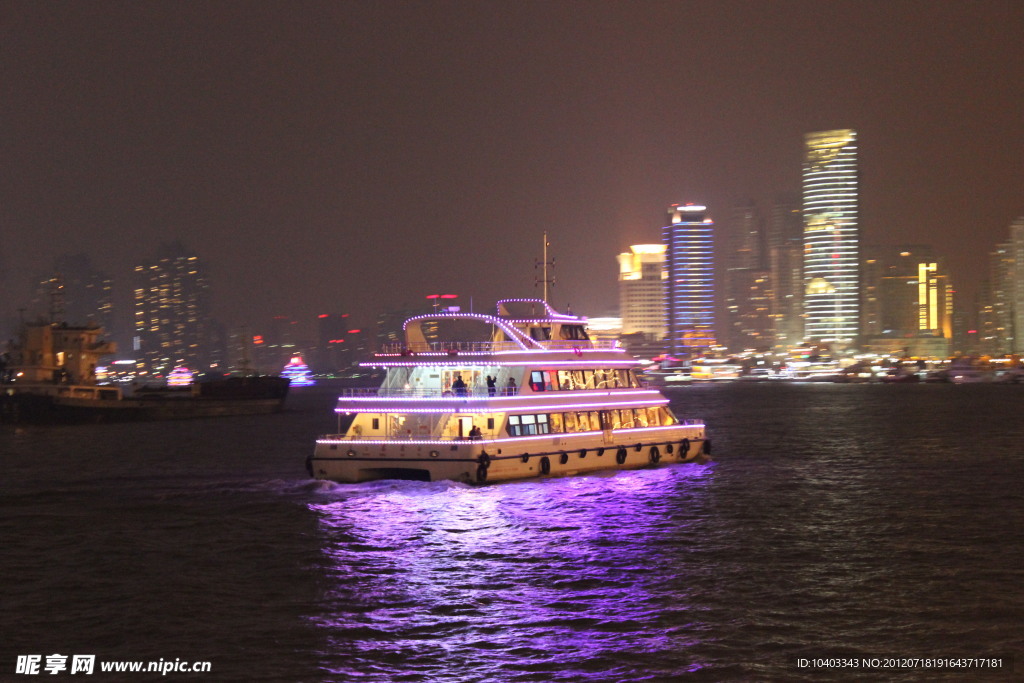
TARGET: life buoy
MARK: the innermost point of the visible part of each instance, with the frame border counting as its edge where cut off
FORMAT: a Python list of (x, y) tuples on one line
[(600, 452), (309, 465), (638, 447), (526, 457), (669, 448), (583, 453), (620, 456), (563, 458), (684, 448), (484, 460), (481, 473), (707, 446), (655, 454), (545, 465)]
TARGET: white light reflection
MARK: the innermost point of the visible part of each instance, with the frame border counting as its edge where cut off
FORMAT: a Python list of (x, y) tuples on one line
[(584, 576)]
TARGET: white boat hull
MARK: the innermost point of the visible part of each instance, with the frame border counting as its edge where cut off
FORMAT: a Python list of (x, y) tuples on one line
[(350, 461)]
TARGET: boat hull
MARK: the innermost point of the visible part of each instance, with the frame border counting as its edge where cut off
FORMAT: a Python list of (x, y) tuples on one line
[(41, 409), (478, 462)]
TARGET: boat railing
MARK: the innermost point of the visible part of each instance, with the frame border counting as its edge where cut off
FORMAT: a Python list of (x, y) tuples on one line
[(410, 435), (472, 392), (485, 347)]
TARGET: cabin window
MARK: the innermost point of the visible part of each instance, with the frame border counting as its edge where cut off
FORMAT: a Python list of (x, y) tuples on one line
[(490, 423), (556, 423), (528, 425), (540, 380), (376, 423)]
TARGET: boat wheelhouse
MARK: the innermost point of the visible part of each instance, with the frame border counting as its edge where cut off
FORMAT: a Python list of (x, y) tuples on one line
[(527, 394)]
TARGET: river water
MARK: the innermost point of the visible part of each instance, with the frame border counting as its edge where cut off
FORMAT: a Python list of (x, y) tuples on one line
[(836, 521)]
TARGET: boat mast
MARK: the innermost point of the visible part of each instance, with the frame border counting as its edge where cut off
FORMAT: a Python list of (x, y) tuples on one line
[(545, 263)]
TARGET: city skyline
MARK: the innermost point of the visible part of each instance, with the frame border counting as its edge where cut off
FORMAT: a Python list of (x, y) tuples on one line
[(357, 158)]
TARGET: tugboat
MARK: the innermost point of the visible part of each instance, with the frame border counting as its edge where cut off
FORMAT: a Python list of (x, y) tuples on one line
[(535, 397)]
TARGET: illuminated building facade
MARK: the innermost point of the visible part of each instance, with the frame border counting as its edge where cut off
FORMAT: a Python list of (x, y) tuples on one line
[(748, 282), (690, 294), (642, 279), (785, 236), (172, 312), (1017, 284), (75, 292), (831, 236), (997, 315), (908, 297)]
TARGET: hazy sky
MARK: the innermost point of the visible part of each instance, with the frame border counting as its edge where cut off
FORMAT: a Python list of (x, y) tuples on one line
[(347, 156)]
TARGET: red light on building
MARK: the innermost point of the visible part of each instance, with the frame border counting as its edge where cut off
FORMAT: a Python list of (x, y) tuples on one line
[(323, 315), (354, 331), (257, 339)]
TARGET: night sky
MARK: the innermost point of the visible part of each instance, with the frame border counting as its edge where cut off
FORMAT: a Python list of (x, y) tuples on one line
[(345, 157)]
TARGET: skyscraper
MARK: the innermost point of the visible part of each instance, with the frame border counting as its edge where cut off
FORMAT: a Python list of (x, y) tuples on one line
[(1017, 283), (785, 261), (642, 290), (748, 282), (831, 237), (172, 312), (690, 295)]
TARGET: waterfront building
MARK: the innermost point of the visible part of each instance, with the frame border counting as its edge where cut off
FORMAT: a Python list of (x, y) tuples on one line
[(748, 282), (75, 292), (908, 296), (785, 264), (997, 320), (171, 312), (1016, 294), (831, 237), (690, 294), (642, 279)]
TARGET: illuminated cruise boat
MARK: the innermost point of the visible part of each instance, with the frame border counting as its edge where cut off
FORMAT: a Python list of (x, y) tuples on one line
[(536, 398)]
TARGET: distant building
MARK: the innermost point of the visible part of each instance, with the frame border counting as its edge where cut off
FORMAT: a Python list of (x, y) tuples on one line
[(1016, 294), (831, 238), (172, 312), (748, 281), (75, 292), (908, 296), (785, 263), (998, 336), (642, 280), (690, 295)]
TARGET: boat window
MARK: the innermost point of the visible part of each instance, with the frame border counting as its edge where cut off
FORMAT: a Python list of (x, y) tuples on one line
[(490, 423), (573, 332), (540, 380), (571, 424), (543, 427), (565, 380), (376, 423), (556, 422), (540, 333)]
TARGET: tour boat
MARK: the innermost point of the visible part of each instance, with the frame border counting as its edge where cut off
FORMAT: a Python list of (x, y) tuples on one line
[(535, 397)]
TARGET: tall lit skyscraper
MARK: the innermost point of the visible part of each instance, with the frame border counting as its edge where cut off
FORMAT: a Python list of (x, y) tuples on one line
[(831, 237), (748, 282), (172, 311), (642, 290), (785, 260), (690, 295), (1017, 291)]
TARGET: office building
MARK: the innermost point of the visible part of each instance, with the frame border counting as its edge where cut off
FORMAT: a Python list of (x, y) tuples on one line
[(831, 237), (690, 294), (642, 279), (172, 312)]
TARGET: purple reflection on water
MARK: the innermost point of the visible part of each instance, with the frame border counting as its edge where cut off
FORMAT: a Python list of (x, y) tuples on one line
[(560, 579)]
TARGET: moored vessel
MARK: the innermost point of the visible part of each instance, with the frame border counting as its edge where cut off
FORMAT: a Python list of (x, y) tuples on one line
[(50, 377), (482, 398)]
